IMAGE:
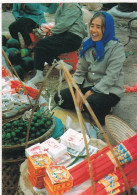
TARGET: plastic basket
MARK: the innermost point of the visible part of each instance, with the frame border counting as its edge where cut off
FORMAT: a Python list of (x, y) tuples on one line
[(118, 128)]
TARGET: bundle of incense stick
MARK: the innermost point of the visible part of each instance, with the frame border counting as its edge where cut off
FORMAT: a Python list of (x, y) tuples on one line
[(113, 183), (103, 162)]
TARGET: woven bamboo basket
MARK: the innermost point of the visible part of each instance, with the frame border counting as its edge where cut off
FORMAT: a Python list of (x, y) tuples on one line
[(15, 150), (10, 175), (118, 128)]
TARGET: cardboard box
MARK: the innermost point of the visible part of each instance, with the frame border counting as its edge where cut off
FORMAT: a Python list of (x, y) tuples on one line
[(58, 179), (37, 182), (74, 140), (33, 150), (54, 148), (37, 164)]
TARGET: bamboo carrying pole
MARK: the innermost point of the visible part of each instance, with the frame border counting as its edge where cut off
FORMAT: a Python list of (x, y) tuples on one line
[(70, 79), (35, 105), (82, 127), (9, 64)]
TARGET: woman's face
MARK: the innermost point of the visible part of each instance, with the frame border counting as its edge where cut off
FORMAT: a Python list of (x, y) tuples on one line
[(95, 29)]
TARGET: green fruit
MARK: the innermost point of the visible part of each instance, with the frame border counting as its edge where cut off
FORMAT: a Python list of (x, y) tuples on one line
[(24, 52), (26, 124), (21, 124), (19, 71), (37, 115), (17, 131), (44, 119), (13, 134), (13, 43), (38, 121), (4, 48), (15, 138), (49, 122), (20, 128), (24, 133), (3, 136), (21, 140), (27, 63), (15, 123), (37, 133), (8, 130), (32, 123), (34, 119), (36, 124), (33, 129), (8, 125), (41, 123), (33, 135), (43, 131), (8, 135), (14, 55)]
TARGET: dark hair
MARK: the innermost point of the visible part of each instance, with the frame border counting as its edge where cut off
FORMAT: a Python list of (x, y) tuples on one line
[(102, 17)]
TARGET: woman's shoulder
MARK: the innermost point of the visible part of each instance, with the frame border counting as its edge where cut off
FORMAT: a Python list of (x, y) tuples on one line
[(114, 43)]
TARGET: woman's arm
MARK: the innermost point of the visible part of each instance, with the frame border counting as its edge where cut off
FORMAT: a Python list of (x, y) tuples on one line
[(82, 68), (79, 77), (66, 17), (113, 71)]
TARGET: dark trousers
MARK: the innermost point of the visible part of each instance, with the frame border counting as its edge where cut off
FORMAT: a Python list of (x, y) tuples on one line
[(49, 48), (24, 26), (100, 103)]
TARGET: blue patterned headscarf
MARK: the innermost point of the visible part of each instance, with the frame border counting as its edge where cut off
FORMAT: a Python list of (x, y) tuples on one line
[(109, 34)]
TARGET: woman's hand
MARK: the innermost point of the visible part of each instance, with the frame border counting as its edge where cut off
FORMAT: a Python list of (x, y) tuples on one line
[(79, 101), (88, 93)]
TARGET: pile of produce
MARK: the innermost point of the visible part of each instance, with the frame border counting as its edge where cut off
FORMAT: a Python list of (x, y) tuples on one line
[(14, 133), (20, 58)]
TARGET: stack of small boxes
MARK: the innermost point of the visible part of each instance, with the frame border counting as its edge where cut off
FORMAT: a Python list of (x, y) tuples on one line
[(37, 165), (57, 180)]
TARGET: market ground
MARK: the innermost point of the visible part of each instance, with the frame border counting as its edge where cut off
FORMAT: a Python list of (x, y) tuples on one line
[(126, 109)]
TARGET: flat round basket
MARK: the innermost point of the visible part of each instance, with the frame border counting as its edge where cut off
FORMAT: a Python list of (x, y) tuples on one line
[(9, 151), (118, 128)]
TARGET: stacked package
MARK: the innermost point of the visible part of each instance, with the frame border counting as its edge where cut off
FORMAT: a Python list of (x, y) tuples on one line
[(37, 165), (54, 148), (57, 180), (74, 140), (106, 172), (33, 150)]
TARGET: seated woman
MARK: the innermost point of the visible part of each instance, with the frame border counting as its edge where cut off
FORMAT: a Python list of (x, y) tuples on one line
[(99, 70), (28, 17), (65, 36)]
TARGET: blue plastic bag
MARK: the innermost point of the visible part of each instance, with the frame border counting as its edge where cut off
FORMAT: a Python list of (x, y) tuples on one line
[(58, 130)]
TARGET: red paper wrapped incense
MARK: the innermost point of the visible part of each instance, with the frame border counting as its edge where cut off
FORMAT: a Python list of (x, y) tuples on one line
[(101, 159), (115, 181), (80, 172), (100, 172)]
